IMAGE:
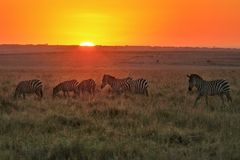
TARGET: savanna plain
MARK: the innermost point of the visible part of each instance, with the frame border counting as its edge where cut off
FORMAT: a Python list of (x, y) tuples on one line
[(164, 125)]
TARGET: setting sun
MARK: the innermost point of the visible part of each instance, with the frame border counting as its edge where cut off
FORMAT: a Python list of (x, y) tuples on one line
[(87, 44), (108, 22)]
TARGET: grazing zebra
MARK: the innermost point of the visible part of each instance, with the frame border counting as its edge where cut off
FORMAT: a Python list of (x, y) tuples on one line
[(117, 85), (139, 86), (29, 87), (86, 86), (209, 88), (66, 86)]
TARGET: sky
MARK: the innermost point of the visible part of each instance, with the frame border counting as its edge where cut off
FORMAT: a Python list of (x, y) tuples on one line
[(203, 23)]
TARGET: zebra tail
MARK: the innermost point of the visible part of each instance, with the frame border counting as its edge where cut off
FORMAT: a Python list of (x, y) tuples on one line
[(41, 93)]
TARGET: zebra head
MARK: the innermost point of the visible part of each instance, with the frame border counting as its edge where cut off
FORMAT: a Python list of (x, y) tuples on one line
[(55, 91), (193, 81), (15, 94), (106, 80)]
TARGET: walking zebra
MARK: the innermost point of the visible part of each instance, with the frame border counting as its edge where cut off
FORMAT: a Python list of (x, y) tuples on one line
[(209, 88), (139, 86), (29, 87), (65, 87), (86, 86), (118, 85)]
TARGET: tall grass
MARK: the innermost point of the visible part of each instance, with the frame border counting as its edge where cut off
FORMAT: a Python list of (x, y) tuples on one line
[(164, 125)]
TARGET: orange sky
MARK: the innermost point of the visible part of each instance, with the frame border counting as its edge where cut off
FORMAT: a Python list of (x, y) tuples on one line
[(120, 22)]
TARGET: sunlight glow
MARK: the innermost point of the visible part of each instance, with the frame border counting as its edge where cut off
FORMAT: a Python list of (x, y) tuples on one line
[(87, 44)]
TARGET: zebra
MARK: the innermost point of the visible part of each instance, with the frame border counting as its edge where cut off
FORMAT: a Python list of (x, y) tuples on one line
[(65, 87), (209, 88), (139, 86), (118, 85), (29, 87), (88, 85)]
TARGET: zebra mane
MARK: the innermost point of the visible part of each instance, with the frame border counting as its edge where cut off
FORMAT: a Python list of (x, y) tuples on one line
[(109, 76), (34, 80), (126, 78), (72, 80)]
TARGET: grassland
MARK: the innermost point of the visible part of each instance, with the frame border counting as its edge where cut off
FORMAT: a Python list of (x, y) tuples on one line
[(164, 125)]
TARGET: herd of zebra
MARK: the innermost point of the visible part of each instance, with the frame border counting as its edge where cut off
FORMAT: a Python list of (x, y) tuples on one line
[(118, 86), (138, 86)]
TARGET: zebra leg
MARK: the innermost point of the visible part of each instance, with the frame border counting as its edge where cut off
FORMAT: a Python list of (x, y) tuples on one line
[(93, 92), (229, 98), (89, 96), (146, 92), (118, 92), (75, 94), (15, 96), (64, 93), (19, 96), (206, 99), (24, 96), (41, 93), (37, 93), (68, 94), (78, 94), (198, 97), (222, 98)]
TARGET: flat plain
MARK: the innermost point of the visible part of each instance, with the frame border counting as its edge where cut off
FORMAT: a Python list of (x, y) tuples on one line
[(164, 125)]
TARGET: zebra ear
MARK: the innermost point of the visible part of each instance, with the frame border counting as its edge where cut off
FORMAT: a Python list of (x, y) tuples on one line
[(188, 76)]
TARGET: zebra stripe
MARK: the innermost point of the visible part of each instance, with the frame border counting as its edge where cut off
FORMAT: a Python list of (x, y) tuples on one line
[(209, 88), (117, 85), (29, 87), (139, 86), (65, 87), (86, 86)]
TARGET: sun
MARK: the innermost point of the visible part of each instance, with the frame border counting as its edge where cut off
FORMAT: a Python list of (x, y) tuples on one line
[(87, 44)]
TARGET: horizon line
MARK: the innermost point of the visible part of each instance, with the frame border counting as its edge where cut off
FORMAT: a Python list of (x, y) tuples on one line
[(97, 45)]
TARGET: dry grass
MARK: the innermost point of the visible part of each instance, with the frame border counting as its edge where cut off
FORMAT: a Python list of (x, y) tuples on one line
[(164, 125)]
